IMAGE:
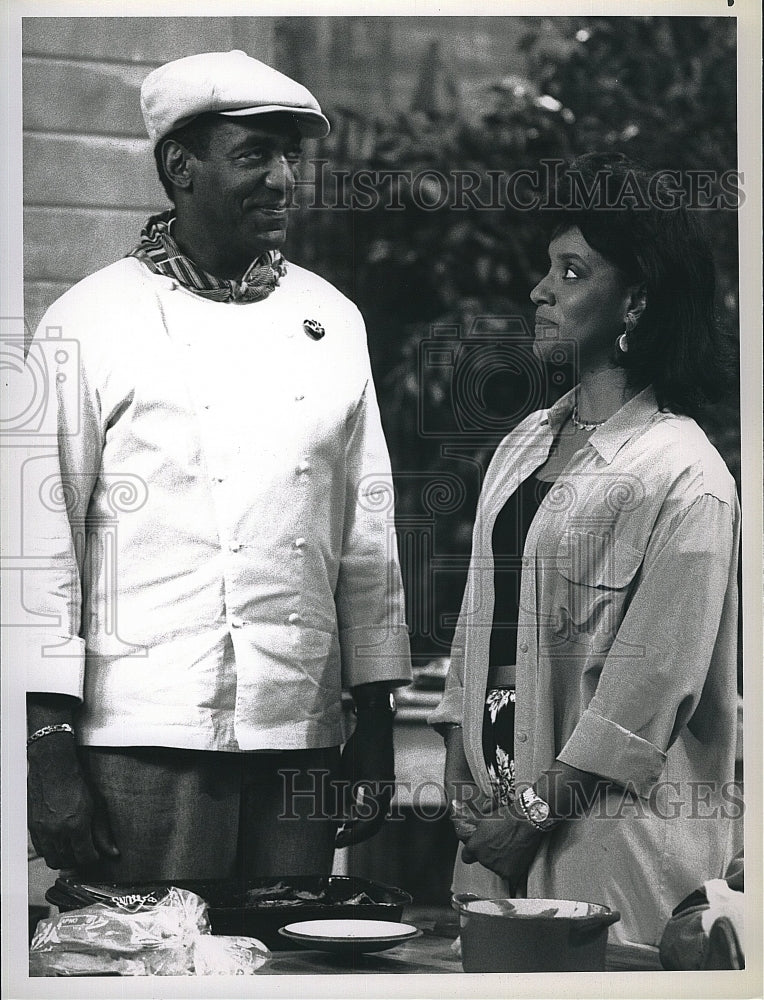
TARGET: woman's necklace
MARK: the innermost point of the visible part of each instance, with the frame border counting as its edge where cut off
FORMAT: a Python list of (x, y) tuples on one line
[(580, 425)]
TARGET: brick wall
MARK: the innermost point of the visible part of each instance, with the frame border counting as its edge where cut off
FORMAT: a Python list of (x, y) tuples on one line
[(372, 64), (89, 178)]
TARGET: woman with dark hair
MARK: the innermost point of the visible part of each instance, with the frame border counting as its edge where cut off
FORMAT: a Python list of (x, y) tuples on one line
[(590, 706)]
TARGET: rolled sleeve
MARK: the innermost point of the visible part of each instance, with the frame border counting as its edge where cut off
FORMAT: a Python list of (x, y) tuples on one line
[(54, 664), (375, 654), (370, 603), (662, 658), (602, 747), (450, 711)]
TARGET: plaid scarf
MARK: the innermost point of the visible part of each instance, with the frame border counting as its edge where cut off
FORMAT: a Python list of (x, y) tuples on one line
[(161, 254)]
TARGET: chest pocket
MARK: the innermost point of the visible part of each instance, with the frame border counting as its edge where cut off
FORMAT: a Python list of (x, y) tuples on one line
[(594, 575)]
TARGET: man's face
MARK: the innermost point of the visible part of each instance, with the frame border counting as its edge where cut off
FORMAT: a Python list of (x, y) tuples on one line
[(242, 187)]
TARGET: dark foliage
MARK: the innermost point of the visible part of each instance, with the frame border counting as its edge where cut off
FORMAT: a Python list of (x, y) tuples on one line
[(444, 289)]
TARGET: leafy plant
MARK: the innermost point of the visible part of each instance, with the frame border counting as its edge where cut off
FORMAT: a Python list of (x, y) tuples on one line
[(418, 256)]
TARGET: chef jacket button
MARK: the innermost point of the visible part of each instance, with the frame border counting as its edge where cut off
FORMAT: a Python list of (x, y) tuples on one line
[(293, 619), (299, 397), (237, 622), (235, 546), (217, 479), (303, 467), (299, 543), (523, 647), (521, 737)]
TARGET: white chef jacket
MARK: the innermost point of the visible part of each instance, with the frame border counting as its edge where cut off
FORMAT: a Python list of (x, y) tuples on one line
[(216, 553)]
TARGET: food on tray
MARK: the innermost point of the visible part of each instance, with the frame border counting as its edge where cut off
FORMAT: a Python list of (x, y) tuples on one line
[(281, 894), (358, 899), (257, 907)]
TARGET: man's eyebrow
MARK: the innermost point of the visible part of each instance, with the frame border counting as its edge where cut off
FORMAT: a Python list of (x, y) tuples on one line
[(270, 141), (251, 140)]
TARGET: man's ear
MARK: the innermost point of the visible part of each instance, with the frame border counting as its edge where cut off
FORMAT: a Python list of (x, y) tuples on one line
[(175, 163)]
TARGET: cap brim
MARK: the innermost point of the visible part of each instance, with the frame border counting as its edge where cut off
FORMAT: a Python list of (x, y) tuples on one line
[(312, 124)]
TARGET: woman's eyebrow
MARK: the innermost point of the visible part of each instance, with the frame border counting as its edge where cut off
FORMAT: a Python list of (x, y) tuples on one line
[(567, 256)]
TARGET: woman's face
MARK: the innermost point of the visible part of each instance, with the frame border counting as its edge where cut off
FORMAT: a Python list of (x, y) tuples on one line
[(582, 301)]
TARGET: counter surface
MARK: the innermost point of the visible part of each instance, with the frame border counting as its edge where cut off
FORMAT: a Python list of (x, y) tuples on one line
[(431, 954)]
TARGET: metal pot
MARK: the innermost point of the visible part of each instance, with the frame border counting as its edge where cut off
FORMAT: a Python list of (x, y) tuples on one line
[(532, 935)]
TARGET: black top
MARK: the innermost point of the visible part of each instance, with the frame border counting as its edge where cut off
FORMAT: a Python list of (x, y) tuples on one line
[(508, 540)]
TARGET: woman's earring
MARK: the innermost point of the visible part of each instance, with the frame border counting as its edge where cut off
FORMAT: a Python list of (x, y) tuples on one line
[(622, 343)]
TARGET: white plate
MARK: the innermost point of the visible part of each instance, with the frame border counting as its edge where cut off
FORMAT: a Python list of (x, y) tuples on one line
[(349, 935)]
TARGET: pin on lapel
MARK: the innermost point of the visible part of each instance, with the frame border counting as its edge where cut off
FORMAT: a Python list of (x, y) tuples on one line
[(313, 328)]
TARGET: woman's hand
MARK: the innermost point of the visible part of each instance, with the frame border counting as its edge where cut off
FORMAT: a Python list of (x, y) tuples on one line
[(501, 839), (457, 772), (460, 787)]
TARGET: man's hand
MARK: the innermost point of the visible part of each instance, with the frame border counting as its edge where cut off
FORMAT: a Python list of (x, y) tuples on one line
[(69, 829), (367, 773), (502, 840)]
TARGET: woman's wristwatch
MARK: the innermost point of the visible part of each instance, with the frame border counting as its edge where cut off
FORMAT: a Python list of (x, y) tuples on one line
[(536, 810)]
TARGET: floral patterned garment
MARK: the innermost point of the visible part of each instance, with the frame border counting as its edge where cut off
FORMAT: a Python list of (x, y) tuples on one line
[(498, 742)]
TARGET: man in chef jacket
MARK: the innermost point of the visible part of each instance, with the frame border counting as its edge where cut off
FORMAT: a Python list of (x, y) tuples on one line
[(217, 558)]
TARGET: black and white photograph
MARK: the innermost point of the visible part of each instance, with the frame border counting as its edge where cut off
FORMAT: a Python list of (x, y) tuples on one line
[(382, 470)]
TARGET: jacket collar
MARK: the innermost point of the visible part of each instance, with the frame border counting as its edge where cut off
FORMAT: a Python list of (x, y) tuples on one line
[(617, 429), (160, 253)]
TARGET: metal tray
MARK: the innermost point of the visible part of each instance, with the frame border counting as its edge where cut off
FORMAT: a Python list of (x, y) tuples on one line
[(233, 910)]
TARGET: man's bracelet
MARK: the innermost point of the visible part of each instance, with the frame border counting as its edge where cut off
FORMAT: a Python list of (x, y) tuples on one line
[(60, 727)]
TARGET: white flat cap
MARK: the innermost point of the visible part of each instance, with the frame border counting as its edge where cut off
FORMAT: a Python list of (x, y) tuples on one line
[(228, 83)]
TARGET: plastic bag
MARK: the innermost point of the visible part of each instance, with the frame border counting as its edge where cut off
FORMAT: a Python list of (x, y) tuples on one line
[(222, 955), (706, 929), (164, 933)]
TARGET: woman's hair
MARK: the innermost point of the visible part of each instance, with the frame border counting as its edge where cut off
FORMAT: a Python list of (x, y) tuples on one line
[(638, 221)]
